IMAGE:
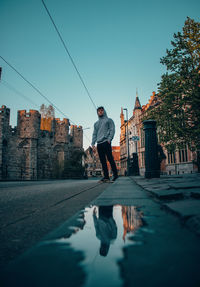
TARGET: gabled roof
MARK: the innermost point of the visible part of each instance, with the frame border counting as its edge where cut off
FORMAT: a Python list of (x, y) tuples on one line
[(137, 104)]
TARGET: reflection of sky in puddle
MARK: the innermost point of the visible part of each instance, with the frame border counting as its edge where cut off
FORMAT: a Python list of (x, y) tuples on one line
[(105, 232)]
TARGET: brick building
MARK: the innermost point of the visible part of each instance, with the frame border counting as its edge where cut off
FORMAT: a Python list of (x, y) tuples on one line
[(93, 164), (132, 140), (36, 147), (116, 156)]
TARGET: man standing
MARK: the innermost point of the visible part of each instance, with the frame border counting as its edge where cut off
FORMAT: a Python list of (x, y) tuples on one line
[(104, 130)]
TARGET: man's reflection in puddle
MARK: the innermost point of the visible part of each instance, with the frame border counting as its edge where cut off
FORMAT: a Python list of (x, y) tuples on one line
[(106, 228)]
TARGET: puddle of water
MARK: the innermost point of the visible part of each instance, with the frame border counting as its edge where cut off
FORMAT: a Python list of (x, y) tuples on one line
[(105, 231), (86, 255)]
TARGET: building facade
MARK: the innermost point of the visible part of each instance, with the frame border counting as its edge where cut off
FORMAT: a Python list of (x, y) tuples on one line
[(93, 165), (132, 144), (130, 130), (116, 156), (36, 147)]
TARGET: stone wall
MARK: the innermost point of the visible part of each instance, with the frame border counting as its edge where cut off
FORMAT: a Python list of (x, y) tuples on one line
[(28, 152), (77, 136)]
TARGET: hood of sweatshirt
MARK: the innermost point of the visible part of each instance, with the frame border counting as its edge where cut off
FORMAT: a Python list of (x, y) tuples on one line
[(104, 115), (104, 129)]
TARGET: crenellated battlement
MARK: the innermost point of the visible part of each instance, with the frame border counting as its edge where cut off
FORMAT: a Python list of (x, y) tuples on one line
[(28, 123), (4, 119), (76, 133), (4, 110), (30, 114), (76, 128), (62, 130), (38, 147), (64, 121)]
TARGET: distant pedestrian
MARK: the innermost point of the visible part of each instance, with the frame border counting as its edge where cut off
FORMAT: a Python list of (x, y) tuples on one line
[(104, 130)]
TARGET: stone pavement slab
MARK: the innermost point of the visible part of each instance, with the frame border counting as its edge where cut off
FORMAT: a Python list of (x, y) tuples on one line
[(195, 193), (123, 191), (171, 187), (189, 211), (185, 184), (178, 181), (185, 208), (180, 194), (167, 194)]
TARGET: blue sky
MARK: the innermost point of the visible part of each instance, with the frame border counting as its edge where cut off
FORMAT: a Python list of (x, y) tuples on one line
[(116, 45)]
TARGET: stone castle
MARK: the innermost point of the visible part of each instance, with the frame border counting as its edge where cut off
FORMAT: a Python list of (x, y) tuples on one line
[(37, 146)]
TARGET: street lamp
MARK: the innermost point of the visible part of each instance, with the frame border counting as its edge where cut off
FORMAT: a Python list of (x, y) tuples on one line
[(127, 140)]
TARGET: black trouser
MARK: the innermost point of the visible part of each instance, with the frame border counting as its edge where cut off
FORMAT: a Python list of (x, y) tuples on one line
[(105, 150)]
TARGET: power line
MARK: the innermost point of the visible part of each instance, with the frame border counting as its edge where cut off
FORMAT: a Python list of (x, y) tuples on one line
[(9, 86), (35, 88), (68, 53)]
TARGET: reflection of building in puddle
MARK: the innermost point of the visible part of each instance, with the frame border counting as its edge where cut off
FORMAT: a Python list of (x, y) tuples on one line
[(132, 219)]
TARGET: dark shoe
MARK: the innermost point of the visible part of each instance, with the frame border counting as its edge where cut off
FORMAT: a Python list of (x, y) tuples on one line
[(105, 179), (114, 178)]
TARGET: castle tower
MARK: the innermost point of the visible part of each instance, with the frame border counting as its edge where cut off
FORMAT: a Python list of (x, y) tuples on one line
[(77, 136), (28, 124), (62, 130), (47, 124), (28, 129), (4, 134)]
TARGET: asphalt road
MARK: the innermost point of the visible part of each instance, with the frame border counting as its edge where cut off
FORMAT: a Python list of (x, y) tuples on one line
[(126, 237), (30, 210)]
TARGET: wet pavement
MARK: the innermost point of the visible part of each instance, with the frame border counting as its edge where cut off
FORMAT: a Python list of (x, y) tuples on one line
[(124, 238), (180, 194), (30, 210)]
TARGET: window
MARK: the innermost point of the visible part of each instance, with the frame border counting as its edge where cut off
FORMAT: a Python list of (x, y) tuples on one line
[(143, 159), (171, 157), (142, 138), (183, 155)]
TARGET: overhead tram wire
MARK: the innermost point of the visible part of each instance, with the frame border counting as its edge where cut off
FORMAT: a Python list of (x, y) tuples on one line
[(10, 87), (35, 88), (68, 53)]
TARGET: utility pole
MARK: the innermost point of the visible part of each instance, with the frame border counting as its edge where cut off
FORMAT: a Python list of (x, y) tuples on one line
[(127, 141), (0, 72), (151, 150)]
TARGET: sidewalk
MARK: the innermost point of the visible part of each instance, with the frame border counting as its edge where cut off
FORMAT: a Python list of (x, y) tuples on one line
[(179, 193), (124, 238)]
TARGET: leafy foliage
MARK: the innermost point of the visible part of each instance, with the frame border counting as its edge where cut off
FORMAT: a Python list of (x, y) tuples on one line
[(178, 114)]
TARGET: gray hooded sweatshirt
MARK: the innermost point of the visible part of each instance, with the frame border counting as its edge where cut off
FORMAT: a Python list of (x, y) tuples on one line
[(104, 130)]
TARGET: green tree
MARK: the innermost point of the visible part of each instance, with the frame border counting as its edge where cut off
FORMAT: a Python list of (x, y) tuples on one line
[(178, 114)]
